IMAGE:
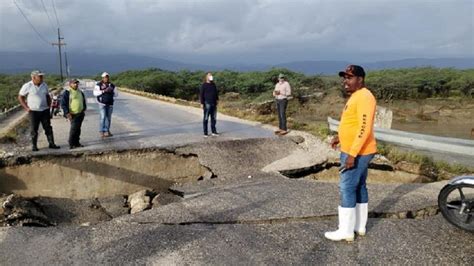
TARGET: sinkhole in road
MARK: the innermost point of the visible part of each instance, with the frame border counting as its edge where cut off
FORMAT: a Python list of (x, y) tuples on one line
[(65, 186)]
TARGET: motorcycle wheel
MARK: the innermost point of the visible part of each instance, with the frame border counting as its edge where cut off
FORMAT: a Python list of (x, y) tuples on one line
[(456, 203)]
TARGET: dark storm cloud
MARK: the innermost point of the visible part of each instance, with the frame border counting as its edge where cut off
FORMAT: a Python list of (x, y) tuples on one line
[(249, 30)]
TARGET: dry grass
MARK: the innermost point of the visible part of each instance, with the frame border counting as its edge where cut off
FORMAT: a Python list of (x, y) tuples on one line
[(437, 170)]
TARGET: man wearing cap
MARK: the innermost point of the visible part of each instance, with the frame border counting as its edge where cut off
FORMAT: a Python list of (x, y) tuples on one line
[(35, 99), (358, 147), (105, 92), (73, 103), (281, 93)]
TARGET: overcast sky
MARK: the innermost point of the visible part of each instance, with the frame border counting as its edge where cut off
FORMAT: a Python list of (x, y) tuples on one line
[(246, 31)]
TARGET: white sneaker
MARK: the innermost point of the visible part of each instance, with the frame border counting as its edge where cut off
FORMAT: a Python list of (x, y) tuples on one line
[(205, 135), (345, 231), (215, 134)]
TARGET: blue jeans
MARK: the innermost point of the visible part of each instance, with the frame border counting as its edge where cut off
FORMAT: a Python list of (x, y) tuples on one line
[(352, 183), (105, 117), (209, 110)]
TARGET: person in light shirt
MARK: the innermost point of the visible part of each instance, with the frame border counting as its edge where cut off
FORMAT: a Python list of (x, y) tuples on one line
[(281, 93), (35, 99)]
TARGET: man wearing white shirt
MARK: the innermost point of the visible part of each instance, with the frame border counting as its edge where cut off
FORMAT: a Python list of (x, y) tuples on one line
[(35, 99)]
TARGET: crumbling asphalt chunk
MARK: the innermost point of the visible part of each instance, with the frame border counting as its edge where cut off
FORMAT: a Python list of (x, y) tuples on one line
[(18, 211), (114, 206)]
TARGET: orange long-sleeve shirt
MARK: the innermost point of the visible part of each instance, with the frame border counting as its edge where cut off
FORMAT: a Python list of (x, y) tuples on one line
[(356, 130)]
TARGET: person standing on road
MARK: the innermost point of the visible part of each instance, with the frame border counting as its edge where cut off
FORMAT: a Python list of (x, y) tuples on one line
[(358, 147), (209, 97), (73, 103), (35, 99), (105, 92), (281, 93)]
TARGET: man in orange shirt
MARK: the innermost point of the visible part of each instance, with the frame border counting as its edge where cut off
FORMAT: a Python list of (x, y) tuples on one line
[(358, 147)]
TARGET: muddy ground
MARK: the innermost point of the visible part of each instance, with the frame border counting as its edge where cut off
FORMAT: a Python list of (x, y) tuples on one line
[(448, 117)]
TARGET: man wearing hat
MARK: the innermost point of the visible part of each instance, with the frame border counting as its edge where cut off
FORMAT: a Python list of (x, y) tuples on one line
[(73, 103), (281, 93), (35, 99), (105, 92), (358, 147)]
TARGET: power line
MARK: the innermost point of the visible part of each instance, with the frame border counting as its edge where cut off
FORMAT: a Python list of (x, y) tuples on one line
[(47, 14), (56, 14), (29, 22)]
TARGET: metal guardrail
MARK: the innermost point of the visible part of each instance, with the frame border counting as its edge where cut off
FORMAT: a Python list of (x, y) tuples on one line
[(7, 113), (418, 141)]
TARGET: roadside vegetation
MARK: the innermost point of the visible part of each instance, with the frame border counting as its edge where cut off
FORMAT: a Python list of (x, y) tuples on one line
[(426, 166), (391, 84), (248, 95), (10, 86)]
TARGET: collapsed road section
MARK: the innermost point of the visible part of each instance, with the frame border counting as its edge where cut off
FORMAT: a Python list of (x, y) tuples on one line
[(179, 183), (91, 187)]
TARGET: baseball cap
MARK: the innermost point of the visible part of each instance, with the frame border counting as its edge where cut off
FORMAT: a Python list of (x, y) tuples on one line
[(105, 74), (281, 76), (73, 81), (353, 70), (37, 73)]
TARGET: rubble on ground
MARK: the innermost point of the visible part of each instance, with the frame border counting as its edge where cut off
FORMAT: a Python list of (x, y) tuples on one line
[(18, 211)]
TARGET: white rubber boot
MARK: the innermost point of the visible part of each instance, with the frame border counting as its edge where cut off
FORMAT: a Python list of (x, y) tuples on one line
[(346, 226), (362, 213)]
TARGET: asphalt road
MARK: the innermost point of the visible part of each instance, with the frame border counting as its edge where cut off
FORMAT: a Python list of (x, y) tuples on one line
[(266, 220), (139, 122), (242, 217)]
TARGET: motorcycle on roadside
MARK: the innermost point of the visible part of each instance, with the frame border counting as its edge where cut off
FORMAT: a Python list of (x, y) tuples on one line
[(55, 108), (456, 202)]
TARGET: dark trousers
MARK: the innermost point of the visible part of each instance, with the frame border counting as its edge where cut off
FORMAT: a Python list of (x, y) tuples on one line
[(281, 108), (209, 110), (75, 131), (37, 117)]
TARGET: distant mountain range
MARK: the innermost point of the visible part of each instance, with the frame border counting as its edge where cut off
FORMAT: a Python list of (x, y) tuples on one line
[(91, 64)]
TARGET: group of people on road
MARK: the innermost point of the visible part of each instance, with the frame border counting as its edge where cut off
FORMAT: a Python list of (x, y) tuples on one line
[(209, 98), (355, 134), (355, 137), (35, 98)]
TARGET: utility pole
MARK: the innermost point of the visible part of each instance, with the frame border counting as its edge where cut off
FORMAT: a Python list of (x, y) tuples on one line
[(59, 44), (67, 66)]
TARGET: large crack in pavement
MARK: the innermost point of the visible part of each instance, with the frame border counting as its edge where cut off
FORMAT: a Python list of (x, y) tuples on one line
[(424, 213)]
